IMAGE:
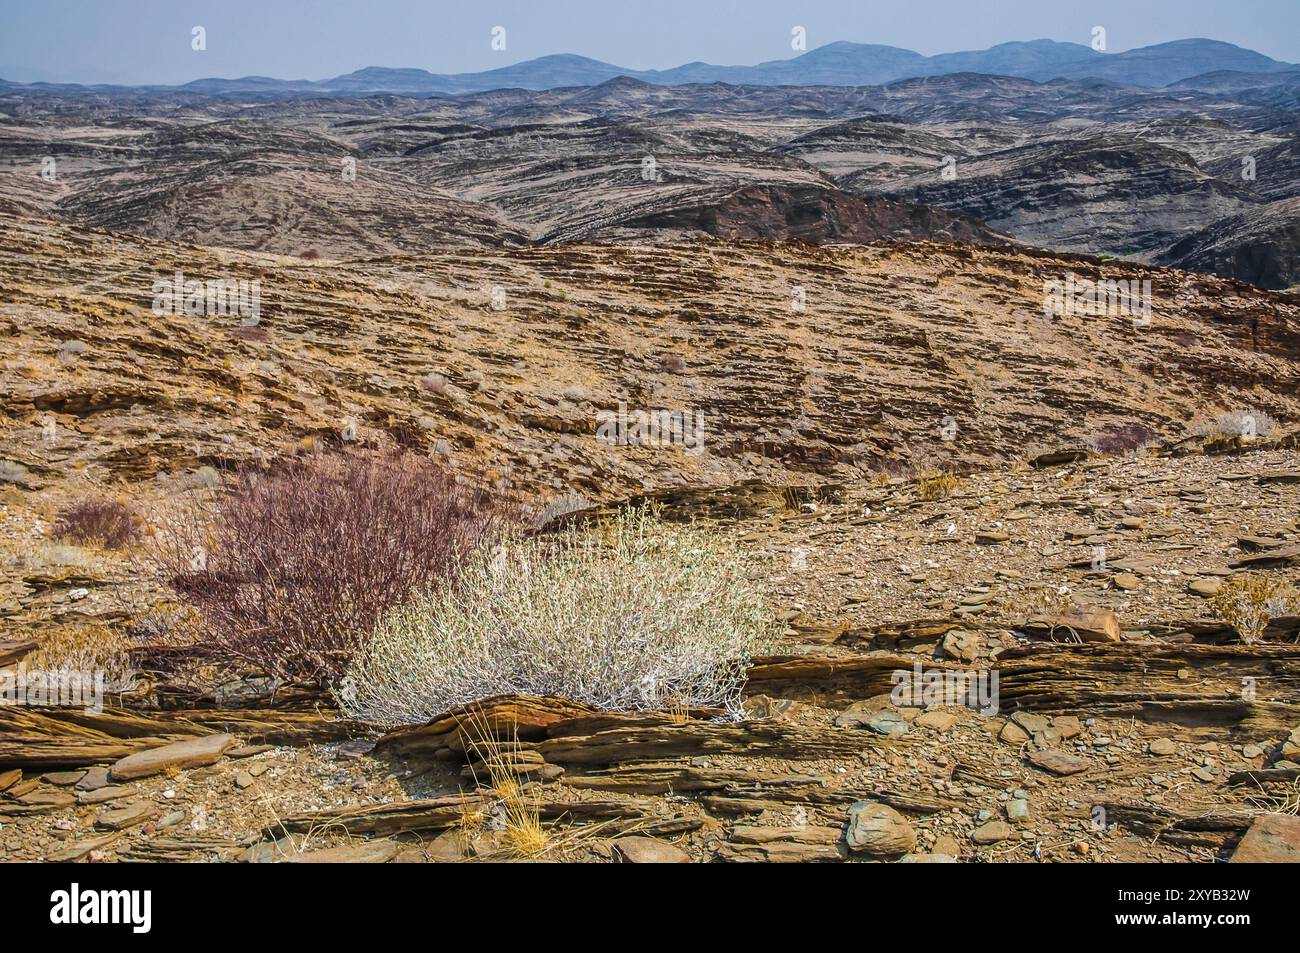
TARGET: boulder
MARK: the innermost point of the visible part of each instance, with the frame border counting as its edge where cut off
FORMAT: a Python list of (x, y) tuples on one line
[(878, 830), (190, 753)]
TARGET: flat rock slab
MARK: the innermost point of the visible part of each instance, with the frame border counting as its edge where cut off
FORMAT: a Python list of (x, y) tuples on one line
[(95, 777), (53, 800), (365, 852), (190, 753), (108, 793), (79, 849), (648, 850), (63, 778), (1271, 839), (993, 832), (122, 818), (1057, 762)]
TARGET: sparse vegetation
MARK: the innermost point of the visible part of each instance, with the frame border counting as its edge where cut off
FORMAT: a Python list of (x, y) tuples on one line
[(936, 486), (1247, 425), (1249, 602), (88, 647), (97, 522), (633, 615), (1123, 438), (290, 570)]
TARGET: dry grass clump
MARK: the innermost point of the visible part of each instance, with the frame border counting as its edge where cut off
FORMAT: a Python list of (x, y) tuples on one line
[(1249, 602), (636, 614), (107, 523), (936, 486), (517, 810), (289, 570), (88, 647)]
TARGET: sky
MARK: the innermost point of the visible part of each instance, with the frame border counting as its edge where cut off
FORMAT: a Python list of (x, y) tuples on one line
[(149, 41)]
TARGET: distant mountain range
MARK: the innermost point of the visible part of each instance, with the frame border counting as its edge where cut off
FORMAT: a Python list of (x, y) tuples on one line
[(836, 64)]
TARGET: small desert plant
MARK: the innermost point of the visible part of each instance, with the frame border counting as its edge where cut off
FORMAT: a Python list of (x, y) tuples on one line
[(89, 647), (516, 809), (631, 615), (289, 570), (1246, 425), (1249, 602), (936, 486), (436, 383), (12, 472), (107, 523)]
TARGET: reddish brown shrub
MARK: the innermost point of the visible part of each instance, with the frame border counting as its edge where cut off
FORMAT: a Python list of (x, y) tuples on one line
[(1122, 438), (106, 523), (289, 570)]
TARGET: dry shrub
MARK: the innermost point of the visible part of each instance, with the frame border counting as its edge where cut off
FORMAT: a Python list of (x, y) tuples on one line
[(1247, 425), (107, 523), (633, 615), (1249, 602), (87, 647), (1123, 438), (290, 570)]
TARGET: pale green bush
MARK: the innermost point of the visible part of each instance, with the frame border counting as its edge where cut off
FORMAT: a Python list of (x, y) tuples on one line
[(635, 614)]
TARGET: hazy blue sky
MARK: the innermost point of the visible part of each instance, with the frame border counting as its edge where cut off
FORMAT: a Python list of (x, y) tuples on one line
[(137, 41)]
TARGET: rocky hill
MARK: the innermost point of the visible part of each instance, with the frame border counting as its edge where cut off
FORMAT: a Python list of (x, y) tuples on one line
[(1261, 246)]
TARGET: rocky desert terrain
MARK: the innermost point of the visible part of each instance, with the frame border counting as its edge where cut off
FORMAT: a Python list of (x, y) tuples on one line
[(936, 478)]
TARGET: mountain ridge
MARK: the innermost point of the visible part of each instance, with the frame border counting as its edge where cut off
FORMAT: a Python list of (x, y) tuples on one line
[(839, 63)]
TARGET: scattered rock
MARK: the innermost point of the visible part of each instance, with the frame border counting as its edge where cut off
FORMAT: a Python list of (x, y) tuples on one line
[(991, 833), (878, 830), (63, 778), (121, 818), (648, 850), (1057, 762), (94, 778), (1271, 839), (939, 720), (963, 645)]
